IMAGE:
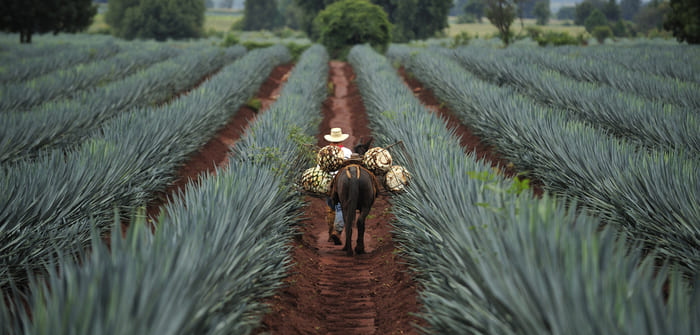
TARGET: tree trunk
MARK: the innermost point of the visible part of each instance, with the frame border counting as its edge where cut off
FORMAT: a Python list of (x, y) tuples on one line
[(25, 36)]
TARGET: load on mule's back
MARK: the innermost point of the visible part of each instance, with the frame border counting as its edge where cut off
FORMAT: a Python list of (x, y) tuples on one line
[(350, 182)]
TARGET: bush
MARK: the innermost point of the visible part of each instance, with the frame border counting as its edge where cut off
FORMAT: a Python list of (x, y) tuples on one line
[(466, 18), (596, 19), (534, 33), (350, 22), (601, 33), (230, 40), (545, 38), (156, 19), (619, 29), (460, 39)]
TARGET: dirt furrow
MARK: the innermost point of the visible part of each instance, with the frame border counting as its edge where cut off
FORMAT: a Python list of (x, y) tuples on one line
[(326, 291), (215, 152), (469, 141)]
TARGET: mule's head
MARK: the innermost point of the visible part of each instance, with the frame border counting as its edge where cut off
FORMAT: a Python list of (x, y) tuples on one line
[(362, 147)]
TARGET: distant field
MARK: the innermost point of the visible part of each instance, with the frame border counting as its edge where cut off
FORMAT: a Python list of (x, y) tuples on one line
[(485, 28), (98, 24)]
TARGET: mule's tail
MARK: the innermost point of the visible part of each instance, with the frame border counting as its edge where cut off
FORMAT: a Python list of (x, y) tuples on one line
[(352, 196)]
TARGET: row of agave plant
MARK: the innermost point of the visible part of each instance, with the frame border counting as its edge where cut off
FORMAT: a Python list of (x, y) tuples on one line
[(31, 61), (220, 250), (63, 83), (679, 62), (57, 198), (66, 123), (490, 258), (650, 123), (672, 91), (652, 195)]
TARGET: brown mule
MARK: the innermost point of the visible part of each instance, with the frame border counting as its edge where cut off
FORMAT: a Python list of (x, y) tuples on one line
[(355, 188)]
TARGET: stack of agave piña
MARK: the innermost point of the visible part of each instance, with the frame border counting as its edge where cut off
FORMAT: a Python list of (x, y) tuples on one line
[(330, 159)]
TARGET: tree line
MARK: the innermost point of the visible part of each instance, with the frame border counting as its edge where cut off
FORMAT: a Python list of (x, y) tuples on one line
[(409, 19)]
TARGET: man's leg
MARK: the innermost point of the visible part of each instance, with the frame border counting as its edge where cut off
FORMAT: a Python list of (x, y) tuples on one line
[(330, 220), (339, 223)]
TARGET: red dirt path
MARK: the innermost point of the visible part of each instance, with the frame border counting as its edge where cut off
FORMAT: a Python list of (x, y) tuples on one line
[(327, 292)]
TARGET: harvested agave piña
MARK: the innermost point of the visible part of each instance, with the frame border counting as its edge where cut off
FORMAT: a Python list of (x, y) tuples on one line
[(378, 160), (396, 178), (330, 158), (316, 180)]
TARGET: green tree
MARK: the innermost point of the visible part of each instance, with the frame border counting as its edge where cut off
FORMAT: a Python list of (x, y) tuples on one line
[(501, 13), (611, 11), (475, 8), (601, 33), (411, 19), (155, 19), (542, 12), (651, 16), (416, 19), (566, 13), (684, 20), (583, 11), (628, 8), (290, 14), (28, 17), (596, 19), (310, 8), (260, 15), (350, 22), (458, 7)]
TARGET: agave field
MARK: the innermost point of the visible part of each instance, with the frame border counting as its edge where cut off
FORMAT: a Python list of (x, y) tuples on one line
[(94, 128)]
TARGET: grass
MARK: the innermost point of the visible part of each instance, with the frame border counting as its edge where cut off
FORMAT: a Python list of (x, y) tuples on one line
[(98, 24), (485, 28)]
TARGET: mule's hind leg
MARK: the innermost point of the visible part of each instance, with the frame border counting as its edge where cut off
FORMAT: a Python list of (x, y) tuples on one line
[(348, 239), (360, 248), (349, 218)]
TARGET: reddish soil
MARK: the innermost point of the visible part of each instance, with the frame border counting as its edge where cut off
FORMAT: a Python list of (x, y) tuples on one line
[(327, 292)]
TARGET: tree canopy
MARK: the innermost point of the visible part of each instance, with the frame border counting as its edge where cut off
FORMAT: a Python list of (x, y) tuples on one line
[(261, 15), (566, 13), (156, 19), (349, 22), (542, 12), (684, 20), (416, 19), (28, 17), (596, 19), (411, 19), (501, 13), (628, 8)]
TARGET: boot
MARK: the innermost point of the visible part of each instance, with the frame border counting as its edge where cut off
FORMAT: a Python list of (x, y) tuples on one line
[(335, 235), (330, 218)]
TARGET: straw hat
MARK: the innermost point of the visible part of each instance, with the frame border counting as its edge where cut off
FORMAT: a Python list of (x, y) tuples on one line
[(336, 135)]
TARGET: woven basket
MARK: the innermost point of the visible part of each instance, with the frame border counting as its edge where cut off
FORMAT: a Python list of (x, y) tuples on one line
[(315, 180), (378, 160), (330, 158), (396, 178)]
